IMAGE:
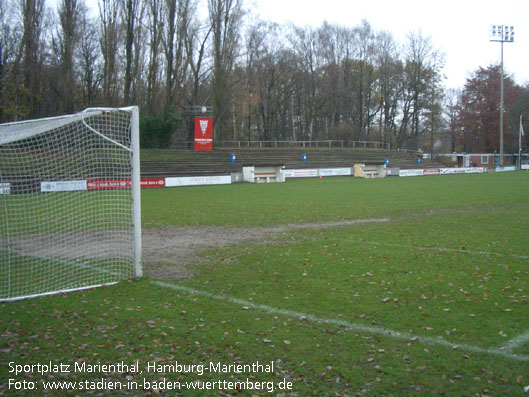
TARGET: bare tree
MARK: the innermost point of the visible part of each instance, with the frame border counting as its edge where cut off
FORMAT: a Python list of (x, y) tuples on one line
[(364, 77), (31, 55), (452, 104), (139, 69), (130, 10), (154, 14), (10, 44), (225, 18), (390, 85), (179, 32), (89, 61), (332, 40), (69, 14), (196, 42), (266, 92), (422, 66), (169, 41), (109, 42), (303, 42)]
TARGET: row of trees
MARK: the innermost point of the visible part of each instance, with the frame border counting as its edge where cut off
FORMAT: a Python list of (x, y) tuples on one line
[(337, 82), (264, 81), (127, 52)]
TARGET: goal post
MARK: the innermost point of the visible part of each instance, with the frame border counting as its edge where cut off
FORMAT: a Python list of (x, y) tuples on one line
[(136, 189), (70, 206)]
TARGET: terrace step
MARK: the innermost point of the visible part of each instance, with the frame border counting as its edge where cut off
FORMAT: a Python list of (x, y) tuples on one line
[(172, 162)]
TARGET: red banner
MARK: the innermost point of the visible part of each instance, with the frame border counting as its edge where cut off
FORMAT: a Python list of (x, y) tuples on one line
[(203, 133), (110, 184), (431, 171), (152, 182), (107, 184)]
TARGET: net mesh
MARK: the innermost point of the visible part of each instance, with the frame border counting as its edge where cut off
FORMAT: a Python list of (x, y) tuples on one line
[(65, 203)]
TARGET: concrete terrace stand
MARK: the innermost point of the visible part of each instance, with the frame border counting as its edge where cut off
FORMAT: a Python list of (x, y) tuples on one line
[(263, 173)]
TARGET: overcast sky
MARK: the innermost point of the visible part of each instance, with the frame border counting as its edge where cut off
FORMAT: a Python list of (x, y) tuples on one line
[(459, 28)]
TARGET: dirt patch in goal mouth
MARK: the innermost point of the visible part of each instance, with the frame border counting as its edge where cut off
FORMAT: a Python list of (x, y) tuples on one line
[(170, 252), (167, 253)]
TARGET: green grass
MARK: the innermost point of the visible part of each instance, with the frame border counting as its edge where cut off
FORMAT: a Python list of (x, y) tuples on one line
[(59, 212), (393, 274), (450, 264), (327, 199)]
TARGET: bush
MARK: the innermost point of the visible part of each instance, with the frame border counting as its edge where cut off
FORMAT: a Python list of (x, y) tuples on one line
[(156, 131)]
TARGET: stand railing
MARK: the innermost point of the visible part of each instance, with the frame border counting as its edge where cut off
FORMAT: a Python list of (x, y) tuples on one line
[(303, 144)]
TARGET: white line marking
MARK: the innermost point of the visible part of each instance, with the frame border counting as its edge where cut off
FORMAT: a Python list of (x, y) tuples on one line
[(516, 342), (63, 291), (441, 249), (351, 326)]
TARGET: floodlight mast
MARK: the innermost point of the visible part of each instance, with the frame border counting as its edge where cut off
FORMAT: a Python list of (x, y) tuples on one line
[(501, 34)]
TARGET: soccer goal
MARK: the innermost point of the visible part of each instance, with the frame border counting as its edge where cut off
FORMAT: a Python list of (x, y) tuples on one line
[(69, 202)]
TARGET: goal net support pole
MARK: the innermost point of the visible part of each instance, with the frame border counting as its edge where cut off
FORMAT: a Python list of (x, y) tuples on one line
[(136, 186)]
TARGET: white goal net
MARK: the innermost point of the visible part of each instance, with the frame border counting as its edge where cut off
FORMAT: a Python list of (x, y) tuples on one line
[(69, 202)]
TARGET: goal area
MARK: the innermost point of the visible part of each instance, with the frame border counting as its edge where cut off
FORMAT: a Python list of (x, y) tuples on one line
[(69, 202)]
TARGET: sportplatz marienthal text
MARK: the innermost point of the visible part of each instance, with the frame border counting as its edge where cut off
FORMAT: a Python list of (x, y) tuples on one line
[(134, 368)]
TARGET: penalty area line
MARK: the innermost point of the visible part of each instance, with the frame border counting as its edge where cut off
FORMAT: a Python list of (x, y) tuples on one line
[(348, 325), (516, 342), (440, 249)]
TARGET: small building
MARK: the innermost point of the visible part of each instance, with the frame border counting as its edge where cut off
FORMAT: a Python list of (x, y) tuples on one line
[(371, 169), (478, 159), (263, 173)]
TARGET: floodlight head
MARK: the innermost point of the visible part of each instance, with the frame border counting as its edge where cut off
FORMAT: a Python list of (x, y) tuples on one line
[(502, 33), (495, 32)]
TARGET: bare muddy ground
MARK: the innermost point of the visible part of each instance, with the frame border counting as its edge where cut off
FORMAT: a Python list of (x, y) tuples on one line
[(170, 252)]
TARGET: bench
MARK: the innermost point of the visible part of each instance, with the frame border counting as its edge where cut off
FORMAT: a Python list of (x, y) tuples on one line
[(265, 176), (263, 173), (370, 174)]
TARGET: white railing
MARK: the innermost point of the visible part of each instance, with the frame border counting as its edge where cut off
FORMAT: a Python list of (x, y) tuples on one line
[(303, 144)]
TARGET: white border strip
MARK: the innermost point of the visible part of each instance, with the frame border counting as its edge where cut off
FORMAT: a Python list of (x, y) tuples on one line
[(506, 169), (442, 171), (301, 173), (351, 326), (62, 186), (198, 180)]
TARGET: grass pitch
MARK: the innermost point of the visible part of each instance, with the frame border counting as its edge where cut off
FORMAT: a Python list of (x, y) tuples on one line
[(433, 300)]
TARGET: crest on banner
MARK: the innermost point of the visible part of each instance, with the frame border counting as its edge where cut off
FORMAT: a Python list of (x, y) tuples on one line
[(203, 126)]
